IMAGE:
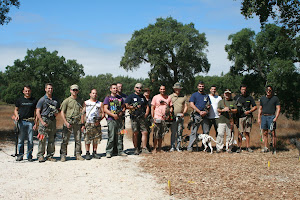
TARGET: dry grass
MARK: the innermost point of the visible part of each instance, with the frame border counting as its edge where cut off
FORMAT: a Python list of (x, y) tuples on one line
[(200, 175)]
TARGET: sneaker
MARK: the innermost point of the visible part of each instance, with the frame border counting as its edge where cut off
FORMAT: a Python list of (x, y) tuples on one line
[(79, 157), (95, 155), (190, 150), (274, 151), (62, 158), (51, 159), (249, 150), (145, 151), (218, 151), (177, 149), (88, 156), (239, 150), (229, 151), (265, 150), (122, 154), (172, 149), (108, 155), (19, 158), (30, 160), (41, 159), (136, 151)]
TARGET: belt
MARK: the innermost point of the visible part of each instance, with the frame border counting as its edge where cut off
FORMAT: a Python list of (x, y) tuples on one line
[(268, 114), (30, 119)]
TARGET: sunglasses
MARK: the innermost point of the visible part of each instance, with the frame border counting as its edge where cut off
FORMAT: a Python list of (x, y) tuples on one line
[(269, 90), (138, 87), (75, 90)]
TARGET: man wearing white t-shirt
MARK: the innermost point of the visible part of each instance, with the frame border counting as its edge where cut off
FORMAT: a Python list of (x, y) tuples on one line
[(213, 112), (91, 124)]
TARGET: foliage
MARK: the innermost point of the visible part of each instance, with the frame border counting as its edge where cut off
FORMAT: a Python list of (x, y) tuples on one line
[(5, 6), (39, 67), (102, 83), (264, 58), (175, 52), (284, 12)]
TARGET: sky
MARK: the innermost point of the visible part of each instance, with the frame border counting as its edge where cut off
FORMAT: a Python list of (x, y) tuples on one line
[(95, 32)]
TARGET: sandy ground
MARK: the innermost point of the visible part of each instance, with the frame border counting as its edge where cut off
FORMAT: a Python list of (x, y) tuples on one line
[(114, 178)]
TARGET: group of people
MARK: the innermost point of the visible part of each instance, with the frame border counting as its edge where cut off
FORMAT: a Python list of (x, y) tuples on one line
[(157, 115)]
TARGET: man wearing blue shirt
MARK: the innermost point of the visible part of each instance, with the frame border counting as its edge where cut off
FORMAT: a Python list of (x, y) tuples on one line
[(200, 103)]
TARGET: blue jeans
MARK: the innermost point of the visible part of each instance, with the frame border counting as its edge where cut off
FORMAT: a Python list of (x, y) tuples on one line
[(205, 128), (266, 122), (25, 129)]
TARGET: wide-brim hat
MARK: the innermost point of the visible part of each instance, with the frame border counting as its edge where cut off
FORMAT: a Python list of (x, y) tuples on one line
[(177, 86)]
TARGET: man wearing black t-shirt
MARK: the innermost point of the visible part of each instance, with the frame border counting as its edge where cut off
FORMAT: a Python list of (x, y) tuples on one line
[(268, 113), (246, 106), (25, 115), (139, 111)]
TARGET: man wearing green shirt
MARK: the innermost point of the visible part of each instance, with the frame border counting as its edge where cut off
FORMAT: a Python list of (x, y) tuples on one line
[(226, 109), (71, 115)]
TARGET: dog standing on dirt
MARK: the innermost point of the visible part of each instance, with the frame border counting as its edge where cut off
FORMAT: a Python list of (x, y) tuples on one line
[(206, 140)]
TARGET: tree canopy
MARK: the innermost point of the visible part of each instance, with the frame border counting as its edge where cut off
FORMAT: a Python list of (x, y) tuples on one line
[(5, 6), (39, 67), (176, 52), (284, 12), (268, 57)]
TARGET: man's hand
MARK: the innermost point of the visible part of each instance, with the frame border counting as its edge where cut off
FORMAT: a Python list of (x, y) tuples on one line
[(82, 128), (34, 127), (226, 109), (203, 113), (116, 116), (44, 123), (259, 120), (247, 112), (68, 125)]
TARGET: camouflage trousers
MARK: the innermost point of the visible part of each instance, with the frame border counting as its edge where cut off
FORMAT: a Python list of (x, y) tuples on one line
[(49, 131), (93, 133), (75, 129)]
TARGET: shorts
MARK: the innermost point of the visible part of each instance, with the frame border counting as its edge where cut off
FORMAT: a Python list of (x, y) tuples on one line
[(266, 122), (138, 125), (93, 134), (158, 131), (245, 124)]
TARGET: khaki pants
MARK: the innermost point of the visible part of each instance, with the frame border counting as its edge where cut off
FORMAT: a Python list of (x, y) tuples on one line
[(75, 129), (49, 133), (222, 129)]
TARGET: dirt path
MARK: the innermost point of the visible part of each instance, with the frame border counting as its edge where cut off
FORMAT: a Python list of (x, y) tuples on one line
[(114, 178)]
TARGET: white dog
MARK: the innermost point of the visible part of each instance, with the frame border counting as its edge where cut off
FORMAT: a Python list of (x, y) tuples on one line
[(206, 139)]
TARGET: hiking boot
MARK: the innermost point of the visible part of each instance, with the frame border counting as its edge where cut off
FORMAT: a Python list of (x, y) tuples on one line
[(88, 156), (62, 158), (51, 159), (265, 150), (136, 151), (108, 155), (239, 150), (41, 159), (122, 154), (172, 149), (274, 151), (249, 150), (177, 149), (19, 158), (79, 157), (96, 156), (145, 151)]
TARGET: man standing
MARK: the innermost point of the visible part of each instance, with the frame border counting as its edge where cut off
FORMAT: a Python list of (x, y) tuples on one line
[(71, 115), (213, 114), (180, 108), (47, 109), (226, 108), (200, 103), (119, 91), (113, 107), (139, 111), (268, 114), (25, 116), (161, 107), (149, 119), (93, 110), (246, 106)]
